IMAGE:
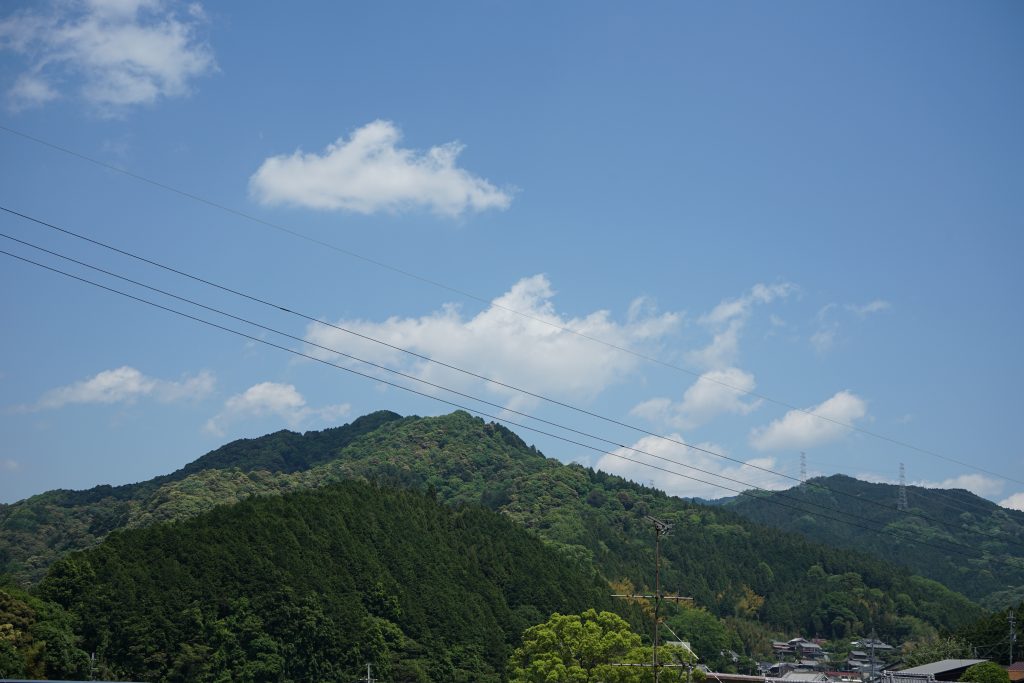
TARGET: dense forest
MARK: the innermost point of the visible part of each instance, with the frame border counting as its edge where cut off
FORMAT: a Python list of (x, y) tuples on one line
[(313, 586), (749, 582), (973, 546)]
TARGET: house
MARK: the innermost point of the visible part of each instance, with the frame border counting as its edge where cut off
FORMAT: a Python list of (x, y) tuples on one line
[(873, 643), (809, 650)]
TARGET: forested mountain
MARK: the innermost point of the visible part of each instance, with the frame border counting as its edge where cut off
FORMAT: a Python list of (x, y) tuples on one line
[(38, 530), (762, 580), (973, 545), (314, 585)]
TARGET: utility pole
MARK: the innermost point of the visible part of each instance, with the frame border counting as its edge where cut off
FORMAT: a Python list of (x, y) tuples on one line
[(874, 667), (660, 529), (369, 678), (1013, 633)]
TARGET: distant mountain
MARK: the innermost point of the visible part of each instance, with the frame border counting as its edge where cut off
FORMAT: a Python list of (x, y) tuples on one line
[(735, 568), (974, 546)]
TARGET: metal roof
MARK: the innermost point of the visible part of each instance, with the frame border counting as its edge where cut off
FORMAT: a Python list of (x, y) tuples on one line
[(942, 666)]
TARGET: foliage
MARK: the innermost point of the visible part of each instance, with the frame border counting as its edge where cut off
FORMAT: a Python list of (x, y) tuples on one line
[(313, 585), (36, 639), (754, 579), (37, 531), (579, 647), (593, 646), (986, 672), (935, 649), (995, 577), (991, 633), (708, 635)]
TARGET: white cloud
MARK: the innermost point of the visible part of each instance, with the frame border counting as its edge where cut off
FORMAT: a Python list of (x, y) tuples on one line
[(804, 429), (639, 468), (824, 338), (975, 483), (867, 309), (530, 352), (10, 465), (717, 392), (270, 399), (118, 52), (125, 385), (1014, 502), (369, 173), (726, 321)]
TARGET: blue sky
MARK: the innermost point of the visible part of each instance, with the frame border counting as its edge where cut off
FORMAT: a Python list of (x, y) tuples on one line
[(819, 203)]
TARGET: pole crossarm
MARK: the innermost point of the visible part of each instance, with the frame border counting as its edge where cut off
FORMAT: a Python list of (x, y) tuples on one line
[(674, 598)]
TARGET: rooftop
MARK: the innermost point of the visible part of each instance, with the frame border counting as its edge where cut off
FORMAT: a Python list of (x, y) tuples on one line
[(941, 666)]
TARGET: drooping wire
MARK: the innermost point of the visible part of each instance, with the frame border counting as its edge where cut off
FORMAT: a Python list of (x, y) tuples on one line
[(893, 532), (453, 367), (463, 293)]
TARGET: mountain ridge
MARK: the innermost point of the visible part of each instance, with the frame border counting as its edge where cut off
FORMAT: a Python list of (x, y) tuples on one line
[(971, 522), (732, 567)]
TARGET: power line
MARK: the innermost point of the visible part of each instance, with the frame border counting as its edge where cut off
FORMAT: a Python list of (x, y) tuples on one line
[(290, 310), (892, 532), (955, 504), (428, 383), (440, 285)]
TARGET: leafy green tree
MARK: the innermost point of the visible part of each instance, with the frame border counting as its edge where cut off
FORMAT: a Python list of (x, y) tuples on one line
[(986, 672), (576, 648), (933, 650)]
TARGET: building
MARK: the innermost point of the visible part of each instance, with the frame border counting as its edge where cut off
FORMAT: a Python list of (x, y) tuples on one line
[(943, 670)]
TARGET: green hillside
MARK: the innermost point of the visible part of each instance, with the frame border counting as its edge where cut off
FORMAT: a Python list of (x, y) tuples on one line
[(313, 586), (37, 531), (773, 580), (957, 522)]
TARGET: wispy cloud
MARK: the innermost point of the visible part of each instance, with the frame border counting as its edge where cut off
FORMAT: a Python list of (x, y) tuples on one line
[(827, 332), (369, 172), (112, 53), (726, 321), (681, 480), (270, 399), (1014, 502), (867, 309), (804, 429), (975, 483), (10, 465), (535, 352), (126, 385), (824, 337), (717, 392)]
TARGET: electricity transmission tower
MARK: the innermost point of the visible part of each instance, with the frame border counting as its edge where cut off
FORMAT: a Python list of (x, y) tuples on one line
[(901, 502)]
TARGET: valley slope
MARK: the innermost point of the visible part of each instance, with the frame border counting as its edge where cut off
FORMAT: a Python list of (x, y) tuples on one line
[(731, 566), (971, 544)]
